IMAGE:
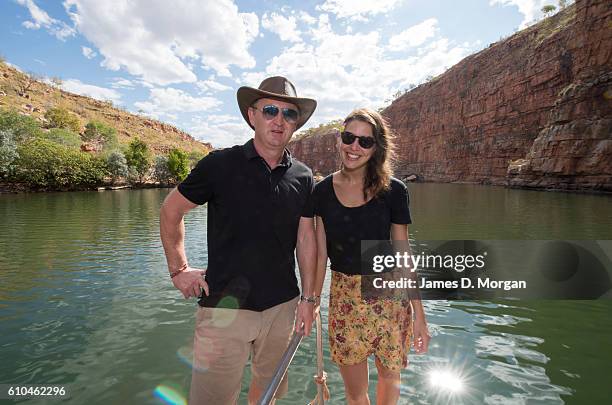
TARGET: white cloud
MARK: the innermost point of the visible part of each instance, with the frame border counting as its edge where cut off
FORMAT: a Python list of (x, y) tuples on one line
[(221, 130), (212, 85), (307, 18), (163, 101), (414, 36), (121, 83), (40, 18), (530, 9), (253, 79), (346, 71), (88, 52), (158, 40), (284, 27), (90, 90), (357, 9)]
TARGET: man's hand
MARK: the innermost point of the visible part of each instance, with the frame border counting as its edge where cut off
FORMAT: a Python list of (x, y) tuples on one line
[(304, 317), (190, 281)]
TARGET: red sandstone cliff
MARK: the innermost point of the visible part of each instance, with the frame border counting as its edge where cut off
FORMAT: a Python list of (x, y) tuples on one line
[(533, 110)]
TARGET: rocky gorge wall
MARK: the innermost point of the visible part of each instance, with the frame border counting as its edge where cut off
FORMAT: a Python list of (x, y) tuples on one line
[(533, 110)]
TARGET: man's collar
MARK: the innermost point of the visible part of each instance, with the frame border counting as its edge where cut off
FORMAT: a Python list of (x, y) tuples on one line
[(251, 153), (249, 150)]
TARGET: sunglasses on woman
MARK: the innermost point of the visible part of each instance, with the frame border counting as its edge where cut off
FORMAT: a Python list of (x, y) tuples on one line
[(365, 142), (270, 111)]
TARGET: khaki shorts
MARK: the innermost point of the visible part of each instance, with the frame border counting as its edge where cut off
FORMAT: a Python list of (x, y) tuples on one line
[(224, 339)]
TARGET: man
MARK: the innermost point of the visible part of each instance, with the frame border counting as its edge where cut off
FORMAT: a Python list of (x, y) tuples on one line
[(256, 193)]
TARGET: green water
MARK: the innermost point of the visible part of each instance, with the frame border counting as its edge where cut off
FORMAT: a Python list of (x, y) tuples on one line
[(85, 301)]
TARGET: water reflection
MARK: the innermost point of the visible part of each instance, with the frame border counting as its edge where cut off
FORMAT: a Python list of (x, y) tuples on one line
[(446, 380), (85, 300)]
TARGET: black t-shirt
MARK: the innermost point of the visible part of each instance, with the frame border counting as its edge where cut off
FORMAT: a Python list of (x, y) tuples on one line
[(253, 218), (346, 227)]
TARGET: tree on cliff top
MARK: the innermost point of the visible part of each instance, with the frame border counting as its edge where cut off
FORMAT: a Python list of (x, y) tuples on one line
[(548, 9), (25, 82)]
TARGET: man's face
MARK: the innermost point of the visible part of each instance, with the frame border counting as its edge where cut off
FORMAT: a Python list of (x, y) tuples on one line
[(271, 132)]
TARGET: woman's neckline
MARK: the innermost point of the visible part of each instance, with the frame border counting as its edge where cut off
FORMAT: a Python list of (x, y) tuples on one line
[(338, 199)]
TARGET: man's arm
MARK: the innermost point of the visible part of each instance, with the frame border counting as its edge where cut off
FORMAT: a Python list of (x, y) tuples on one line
[(306, 251), (172, 232), (399, 232)]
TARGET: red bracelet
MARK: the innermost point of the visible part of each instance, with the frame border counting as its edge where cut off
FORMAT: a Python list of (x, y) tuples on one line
[(179, 270)]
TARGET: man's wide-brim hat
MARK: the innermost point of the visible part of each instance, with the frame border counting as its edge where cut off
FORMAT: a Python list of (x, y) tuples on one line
[(277, 88)]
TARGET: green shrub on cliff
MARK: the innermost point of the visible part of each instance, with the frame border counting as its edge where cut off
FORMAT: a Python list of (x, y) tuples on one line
[(45, 164), (96, 131), (64, 137), (61, 118), (321, 129), (23, 127), (178, 164)]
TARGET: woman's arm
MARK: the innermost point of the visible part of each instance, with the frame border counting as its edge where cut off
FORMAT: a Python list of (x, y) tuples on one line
[(321, 255), (399, 232)]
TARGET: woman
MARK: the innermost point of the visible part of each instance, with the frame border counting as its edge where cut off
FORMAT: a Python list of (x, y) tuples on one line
[(363, 202)]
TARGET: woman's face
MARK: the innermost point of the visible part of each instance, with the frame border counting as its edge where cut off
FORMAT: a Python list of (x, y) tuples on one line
[(354, 156)]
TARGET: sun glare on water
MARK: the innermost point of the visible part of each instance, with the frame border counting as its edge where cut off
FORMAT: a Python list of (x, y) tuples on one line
[(445, 380)]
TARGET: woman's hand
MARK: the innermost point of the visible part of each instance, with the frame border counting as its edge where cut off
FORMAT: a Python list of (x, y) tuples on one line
[(420, 336)]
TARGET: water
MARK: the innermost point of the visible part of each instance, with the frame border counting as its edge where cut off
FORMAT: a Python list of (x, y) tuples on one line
[(85, 301)]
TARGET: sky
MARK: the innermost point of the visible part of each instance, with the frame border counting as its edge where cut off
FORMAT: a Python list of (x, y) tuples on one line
[(181, 61)]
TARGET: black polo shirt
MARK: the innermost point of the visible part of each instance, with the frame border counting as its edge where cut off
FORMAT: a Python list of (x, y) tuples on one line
[(253, 217)]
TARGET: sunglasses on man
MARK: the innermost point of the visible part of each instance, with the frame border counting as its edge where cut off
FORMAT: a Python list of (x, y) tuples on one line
[(365, 142), (270, 111)]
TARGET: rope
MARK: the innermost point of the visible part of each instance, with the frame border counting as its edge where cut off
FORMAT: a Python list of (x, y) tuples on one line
[(321, 377)]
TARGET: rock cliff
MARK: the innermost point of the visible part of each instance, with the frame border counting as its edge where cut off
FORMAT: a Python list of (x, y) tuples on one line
[(533, 110)]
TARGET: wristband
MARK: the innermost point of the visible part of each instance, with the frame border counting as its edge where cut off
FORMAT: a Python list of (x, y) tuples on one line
[(312, 300), (179, 270)]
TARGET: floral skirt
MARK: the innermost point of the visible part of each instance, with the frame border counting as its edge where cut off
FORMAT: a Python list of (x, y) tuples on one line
[(359, 328)]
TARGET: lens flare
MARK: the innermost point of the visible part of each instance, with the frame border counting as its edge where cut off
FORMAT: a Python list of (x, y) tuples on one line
[(228, 302), (185, 355), (445, 380), (169, 395)]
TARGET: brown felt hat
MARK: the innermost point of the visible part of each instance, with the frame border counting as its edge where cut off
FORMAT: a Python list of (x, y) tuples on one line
[(277, 88)]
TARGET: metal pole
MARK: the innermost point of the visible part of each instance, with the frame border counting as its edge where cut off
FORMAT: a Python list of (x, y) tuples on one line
[(320, 394), (281, 369)]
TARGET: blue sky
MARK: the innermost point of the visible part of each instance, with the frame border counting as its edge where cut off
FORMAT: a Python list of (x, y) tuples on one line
[(182, 61)]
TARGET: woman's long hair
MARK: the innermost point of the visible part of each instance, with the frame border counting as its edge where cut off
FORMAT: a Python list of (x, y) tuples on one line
[(379, 167)]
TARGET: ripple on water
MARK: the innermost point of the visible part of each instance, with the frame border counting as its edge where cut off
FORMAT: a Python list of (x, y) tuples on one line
[(85, 300)]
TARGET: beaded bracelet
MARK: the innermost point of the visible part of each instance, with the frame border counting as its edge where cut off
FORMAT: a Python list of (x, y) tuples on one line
[(312, 300), (179, 270)]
